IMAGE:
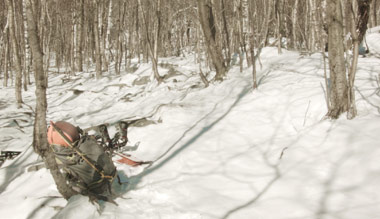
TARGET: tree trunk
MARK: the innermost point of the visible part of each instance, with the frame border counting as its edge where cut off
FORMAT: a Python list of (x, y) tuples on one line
[(295, 24), (278, 25), (337, 66), (363, 7), (352, 112), (105, 24), (252, 50), (6, 57), (118, 41), (373, 14), (98, 55), (40, 143), (156, 42), (227, 47), (27, 57), (16, 52), (81, 37), (207, 22), (253, 57), (152, 48), (78, 36), (359, 23), (313, 25)]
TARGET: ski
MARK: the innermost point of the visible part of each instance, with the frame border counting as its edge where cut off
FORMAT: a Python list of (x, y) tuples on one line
[(127, 159)]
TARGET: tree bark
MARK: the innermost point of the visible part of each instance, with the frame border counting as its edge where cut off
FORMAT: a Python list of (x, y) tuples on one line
[(227, 46), (79, 36), (373, 13), (40, 143), (337, 66), (278, 6), (152, 48), (98, 55), (359, 23), (27, 57), (252, 50), (295, 24), (207, 22), (6, 56), (16, 52)]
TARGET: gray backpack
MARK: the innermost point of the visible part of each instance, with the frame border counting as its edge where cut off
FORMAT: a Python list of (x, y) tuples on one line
[(88, 168)]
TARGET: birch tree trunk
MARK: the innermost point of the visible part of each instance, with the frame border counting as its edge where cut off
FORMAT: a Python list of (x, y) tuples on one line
[(40, 143), (27, 58), (104, 33), (295, 24)]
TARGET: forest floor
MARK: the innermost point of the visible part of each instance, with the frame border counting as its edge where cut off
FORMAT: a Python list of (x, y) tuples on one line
[(225, 151)]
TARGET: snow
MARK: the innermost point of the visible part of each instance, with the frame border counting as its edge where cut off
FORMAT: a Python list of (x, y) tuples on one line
[(223, 151)]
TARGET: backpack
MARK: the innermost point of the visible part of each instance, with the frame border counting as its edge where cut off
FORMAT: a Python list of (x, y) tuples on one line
[(87, 166)]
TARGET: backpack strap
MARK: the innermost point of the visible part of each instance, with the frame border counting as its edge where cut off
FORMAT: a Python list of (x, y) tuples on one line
[(93, 166)]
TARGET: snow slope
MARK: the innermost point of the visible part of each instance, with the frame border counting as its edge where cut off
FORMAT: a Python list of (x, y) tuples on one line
[(223, 151)]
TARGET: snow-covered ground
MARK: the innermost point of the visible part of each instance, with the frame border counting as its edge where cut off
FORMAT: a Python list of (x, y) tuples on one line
[(223, 151)]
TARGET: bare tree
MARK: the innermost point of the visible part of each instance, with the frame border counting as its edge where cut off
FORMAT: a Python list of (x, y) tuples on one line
[(6, 56), (295, 24), (373, 15), (206, 18), (27, 53), (338, 91), (98, 54), (40, 143), (15, 40), (153, 46), (359, 18)]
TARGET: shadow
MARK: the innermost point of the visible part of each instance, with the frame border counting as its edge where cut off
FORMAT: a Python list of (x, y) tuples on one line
[(328, 188), (16, 168), (367, 100), (270, 183), (134, 180), (270, 162), (39, 207)]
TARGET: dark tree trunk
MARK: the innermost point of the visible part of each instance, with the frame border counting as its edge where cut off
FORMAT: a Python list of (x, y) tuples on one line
[(363, 16), (208, 26), (40, 143)]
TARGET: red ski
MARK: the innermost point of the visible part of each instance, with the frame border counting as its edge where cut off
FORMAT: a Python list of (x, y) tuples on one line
[(126, 159)]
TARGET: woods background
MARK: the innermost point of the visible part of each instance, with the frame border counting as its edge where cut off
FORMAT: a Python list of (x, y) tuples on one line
[(71, 36)]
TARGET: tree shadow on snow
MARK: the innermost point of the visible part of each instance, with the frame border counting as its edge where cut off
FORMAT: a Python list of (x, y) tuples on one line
[(40, 206), (15, 169), (135, 180)]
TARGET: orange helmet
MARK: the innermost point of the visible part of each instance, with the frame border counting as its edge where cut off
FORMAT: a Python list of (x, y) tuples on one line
[(70, 131)]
